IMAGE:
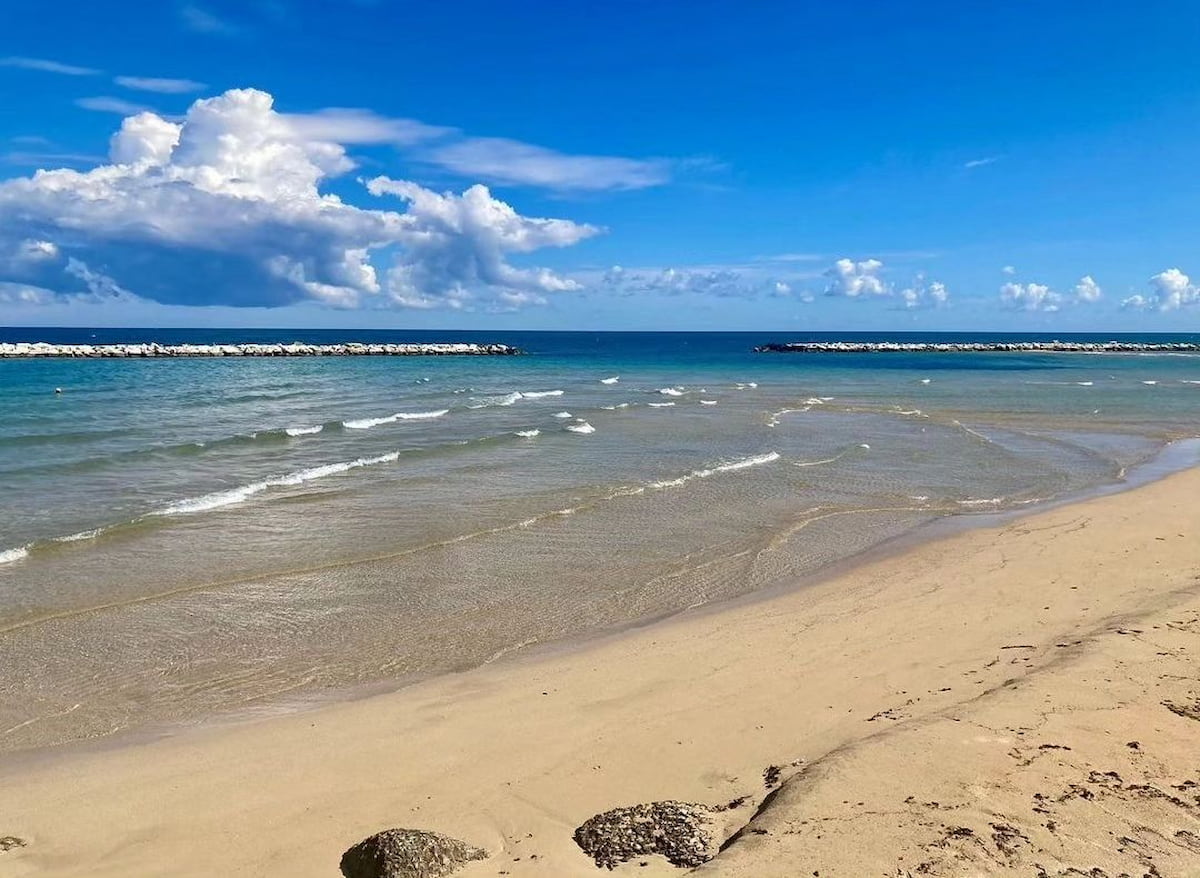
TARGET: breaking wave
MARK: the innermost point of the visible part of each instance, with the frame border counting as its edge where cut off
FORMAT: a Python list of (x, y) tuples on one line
[(731, 466), (231, 496), (368, 423)]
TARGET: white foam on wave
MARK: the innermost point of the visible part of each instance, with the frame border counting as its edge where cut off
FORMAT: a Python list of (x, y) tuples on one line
[(926, 380), (660, 405), (10, 555), (613, 380), (512, 398), (506, 399), (368, 423), (82, 535), (528, 434), (562, 415), (834, 459), (581, 427), (304, 431), (1151, 383), (728, 467), (747, 385), (217, 499), (1085, 383), (671, 391), (773, 417), (1188, 381), (708, 402)]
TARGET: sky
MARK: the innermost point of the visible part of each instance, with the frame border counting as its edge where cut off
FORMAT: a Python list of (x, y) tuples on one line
[(636, 164)]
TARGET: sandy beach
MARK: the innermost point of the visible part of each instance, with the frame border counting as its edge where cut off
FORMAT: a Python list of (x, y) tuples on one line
[(1021, 699)]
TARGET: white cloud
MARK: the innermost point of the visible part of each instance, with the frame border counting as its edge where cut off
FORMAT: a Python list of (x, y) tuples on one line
[(159, 85), (925, 295), (743, 280), (511, 162), (1087, 290), (226, 208), (47, 66), (200, 20), (144, 138), (1009, 270), (30, 250), (1030, 297), (1172, 290), (855, 279), (105, 104), (347, 126), (979, 163), (453, 243)]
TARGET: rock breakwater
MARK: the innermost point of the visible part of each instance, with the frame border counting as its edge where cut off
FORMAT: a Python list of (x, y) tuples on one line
[(971, 347), (25, 350)]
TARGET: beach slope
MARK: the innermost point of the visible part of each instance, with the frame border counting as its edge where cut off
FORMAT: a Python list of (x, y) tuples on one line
[(1022, 699)]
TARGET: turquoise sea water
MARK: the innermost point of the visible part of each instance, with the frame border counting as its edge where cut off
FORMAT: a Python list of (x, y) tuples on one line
[(182, 538)]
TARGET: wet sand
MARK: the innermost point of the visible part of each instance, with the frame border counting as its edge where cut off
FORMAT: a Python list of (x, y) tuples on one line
[(1021, 699)]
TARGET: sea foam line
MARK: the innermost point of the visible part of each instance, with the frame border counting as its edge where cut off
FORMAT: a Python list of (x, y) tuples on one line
[(731, 466), (368, 423), (231, 496), (304, 431), (512, 398), (834, 459), (10, 555)]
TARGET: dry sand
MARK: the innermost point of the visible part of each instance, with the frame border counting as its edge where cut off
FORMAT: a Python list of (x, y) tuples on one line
[(1021, 700)]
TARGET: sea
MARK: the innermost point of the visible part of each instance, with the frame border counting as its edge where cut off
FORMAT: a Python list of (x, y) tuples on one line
[(183, 540)]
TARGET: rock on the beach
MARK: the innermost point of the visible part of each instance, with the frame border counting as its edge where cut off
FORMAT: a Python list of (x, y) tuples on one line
[(680, 831), (407, 853)]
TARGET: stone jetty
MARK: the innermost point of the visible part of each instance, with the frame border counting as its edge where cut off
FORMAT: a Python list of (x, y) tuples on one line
[(972, 347), (24, 350)]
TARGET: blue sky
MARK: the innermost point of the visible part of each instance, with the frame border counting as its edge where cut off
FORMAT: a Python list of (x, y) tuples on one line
[(627, 165)]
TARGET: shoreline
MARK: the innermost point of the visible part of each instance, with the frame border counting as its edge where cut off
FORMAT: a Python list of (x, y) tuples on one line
[(691, 707), (1175, 456)]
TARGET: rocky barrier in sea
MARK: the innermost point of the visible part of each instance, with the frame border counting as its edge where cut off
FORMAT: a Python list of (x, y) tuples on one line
[(972, 347), (25, 350)]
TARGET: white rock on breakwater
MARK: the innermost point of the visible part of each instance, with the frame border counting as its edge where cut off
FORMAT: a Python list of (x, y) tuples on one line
[(957, 347), (11, 350)]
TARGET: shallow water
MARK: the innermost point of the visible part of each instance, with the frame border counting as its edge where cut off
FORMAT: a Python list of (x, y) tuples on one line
[(186, 537)]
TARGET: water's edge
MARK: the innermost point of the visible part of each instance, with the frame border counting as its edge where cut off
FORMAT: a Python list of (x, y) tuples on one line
[(1174, 457)]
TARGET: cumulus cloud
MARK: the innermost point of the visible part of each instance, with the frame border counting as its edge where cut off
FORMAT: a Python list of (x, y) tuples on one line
[(225, 207), (453, 243), (46, 66), (159, 85), (1030, 297), (1009, 270), (855, 279), (1087, 290), (513, 162), (350, 126), (922, 294), (1172, 290)]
